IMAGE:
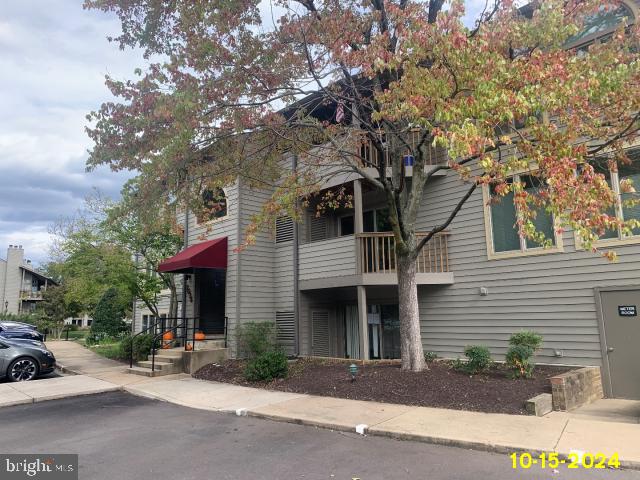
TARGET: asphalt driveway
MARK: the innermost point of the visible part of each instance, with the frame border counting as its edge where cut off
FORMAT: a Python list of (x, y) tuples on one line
[(121, 436)]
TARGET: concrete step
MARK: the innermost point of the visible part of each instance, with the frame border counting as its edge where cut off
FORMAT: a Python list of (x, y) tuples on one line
[(167, 358), (147, 372), (209, 344), (162, 366)]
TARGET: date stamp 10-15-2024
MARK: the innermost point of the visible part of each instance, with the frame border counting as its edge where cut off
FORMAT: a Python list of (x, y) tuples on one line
[(573, 460)]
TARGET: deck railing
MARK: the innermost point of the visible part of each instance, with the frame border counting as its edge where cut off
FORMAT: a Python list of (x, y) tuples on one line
[(371, 156), (378, 254), (31, 295)]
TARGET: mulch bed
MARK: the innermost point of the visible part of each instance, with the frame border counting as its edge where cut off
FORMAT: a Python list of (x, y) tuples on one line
[(440, 386)]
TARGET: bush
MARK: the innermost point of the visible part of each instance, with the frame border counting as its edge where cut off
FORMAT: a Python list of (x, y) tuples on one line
[(267, 366), (517, 359), (527, 338), (522, 346), (96, 338), (256, 338), (430, 356), (142, 346), (108, 315), (478, 359)]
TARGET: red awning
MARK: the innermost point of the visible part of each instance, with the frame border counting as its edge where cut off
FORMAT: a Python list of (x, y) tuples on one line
[(209, 254)]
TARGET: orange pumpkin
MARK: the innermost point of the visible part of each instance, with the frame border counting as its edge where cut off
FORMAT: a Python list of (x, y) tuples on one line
[(167, 335), (199, 336)]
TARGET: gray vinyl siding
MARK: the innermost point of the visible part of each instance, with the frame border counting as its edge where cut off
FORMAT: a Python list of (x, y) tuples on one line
[(256, 281), (552, 293), (329, 258)]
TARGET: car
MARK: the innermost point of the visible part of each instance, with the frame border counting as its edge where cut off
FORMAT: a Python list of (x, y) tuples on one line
[(13, 325), (8, 331), (21, 361)]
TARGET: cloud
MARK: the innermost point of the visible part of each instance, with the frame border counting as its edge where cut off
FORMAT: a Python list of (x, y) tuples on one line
[(55, 56)]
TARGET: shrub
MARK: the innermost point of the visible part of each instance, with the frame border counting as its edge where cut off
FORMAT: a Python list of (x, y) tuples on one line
[(517, 359), (95, 338), (527, 338), (256, 338), (142, 345), (108, 315), (430, 356), (267, 366), (523, 345), (478, 359)]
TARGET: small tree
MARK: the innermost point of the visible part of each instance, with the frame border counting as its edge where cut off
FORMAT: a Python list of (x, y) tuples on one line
[(108, 315), (54, 308)]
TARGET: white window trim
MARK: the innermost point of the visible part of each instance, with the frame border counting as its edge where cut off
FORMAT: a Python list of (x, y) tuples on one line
[(524, 251), (611, 242)]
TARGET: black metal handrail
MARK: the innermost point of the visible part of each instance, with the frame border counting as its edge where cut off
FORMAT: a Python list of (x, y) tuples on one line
[(144, 331), (184, 325), (188, 326)]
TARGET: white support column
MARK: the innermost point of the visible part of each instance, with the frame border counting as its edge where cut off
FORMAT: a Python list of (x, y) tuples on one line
[(364, 325)]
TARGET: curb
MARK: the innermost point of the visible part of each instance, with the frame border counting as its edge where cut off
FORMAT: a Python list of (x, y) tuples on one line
[(447, 442), (66, 370)]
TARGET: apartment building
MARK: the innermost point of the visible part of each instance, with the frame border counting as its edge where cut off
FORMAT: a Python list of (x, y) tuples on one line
[(330, 282), (21, 285)]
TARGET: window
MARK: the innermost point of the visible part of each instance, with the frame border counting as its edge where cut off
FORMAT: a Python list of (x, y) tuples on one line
[(503, 238), (376, 220), (214, 205), (628, 172), (145, 322), (347, 225), (602, 23)]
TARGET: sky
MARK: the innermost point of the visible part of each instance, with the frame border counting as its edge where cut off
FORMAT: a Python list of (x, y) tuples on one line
[(54, 59)]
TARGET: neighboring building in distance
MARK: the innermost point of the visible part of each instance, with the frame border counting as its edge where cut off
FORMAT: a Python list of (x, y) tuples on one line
[(21, 285)]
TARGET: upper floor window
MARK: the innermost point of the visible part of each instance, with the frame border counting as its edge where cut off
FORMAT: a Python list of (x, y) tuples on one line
[(503, 237), (214, 205), (602, 23)]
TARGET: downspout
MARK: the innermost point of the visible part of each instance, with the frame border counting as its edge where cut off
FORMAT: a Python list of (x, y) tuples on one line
[(296, 264), (185, 242), (239, 219)]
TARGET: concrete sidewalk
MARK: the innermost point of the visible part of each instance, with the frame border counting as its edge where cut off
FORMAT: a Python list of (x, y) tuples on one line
[(52, 389), (563, 432), (557, 431)]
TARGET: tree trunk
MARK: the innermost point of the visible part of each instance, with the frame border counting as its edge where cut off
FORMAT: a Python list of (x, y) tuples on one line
[(410, 338)]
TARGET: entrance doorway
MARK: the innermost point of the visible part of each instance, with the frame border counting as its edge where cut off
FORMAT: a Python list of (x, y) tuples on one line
[(384, 331), (211, 300), (620, 337)]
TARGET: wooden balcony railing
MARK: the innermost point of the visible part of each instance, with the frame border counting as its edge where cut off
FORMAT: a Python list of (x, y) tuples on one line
[(378, 254), (31, 295), (371, 157)]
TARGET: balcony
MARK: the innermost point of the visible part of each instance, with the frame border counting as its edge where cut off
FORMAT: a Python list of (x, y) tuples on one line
[(369, 259), (29, 295)]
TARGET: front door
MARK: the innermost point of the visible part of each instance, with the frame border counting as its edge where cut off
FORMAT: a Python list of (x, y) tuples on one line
[(211, 299), (621, 320)]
